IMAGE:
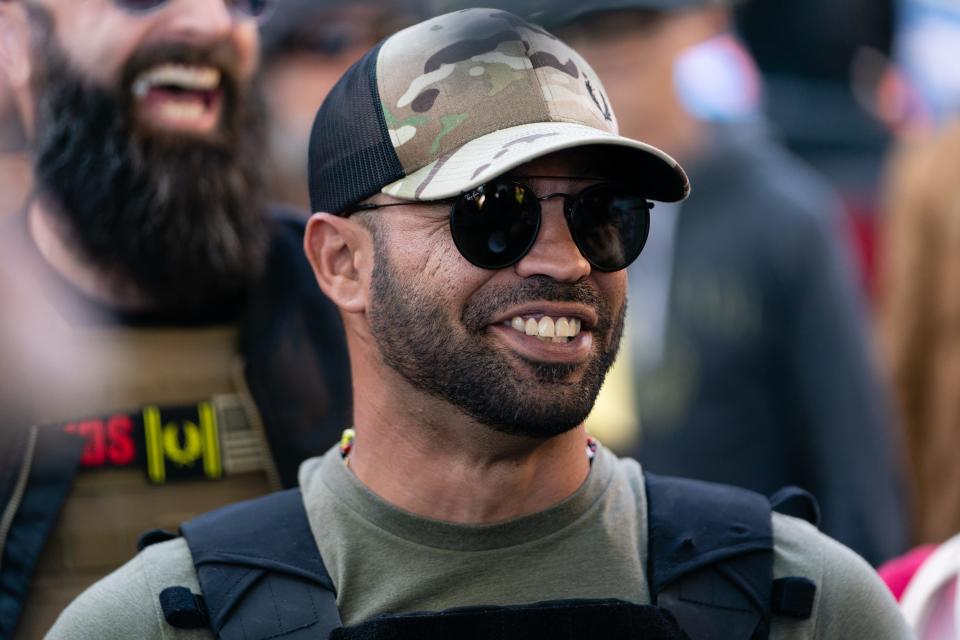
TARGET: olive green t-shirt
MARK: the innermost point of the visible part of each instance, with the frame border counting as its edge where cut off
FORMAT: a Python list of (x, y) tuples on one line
[(592, 545)]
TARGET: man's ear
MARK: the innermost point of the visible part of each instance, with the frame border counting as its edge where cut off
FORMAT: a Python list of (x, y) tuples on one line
[(15, 68), (340, 251)]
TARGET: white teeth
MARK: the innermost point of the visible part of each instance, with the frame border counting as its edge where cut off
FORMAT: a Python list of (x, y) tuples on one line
[(191, 78), (547, 328), (531, 327), (184, 111)]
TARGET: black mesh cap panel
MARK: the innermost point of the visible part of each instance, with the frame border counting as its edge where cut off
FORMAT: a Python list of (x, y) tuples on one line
[(350, 155)]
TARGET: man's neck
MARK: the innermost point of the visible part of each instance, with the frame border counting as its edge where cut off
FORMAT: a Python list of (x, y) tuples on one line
[(52, 238), (456, 470)]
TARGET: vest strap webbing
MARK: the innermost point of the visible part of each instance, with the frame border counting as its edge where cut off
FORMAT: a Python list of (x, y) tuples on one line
[(261, 572), (710, 557)]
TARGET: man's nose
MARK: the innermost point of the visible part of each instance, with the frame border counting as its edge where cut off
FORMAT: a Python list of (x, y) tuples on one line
[(554, 253), (202, 21)]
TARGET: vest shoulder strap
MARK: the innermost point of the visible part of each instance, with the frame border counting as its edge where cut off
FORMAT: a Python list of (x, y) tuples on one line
[(261, 572), (710, 557)]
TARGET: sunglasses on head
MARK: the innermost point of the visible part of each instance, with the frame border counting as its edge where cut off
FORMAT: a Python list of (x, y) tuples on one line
[(252, 8), (495, 225)]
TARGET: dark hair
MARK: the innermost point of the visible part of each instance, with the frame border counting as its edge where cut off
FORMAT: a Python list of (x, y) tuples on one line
[(816, 39)]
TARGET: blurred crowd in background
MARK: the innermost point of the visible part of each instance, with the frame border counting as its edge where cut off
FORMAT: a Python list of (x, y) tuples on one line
[(797, 320)]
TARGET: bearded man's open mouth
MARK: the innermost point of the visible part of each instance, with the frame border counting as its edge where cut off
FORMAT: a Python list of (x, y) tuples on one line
[(180, 90), (179, 97)]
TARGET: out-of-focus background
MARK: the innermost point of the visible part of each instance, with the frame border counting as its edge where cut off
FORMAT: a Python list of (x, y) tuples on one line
[(797, 319)]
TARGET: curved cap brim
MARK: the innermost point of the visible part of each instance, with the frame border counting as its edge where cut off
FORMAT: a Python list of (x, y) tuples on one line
[(494, 154)]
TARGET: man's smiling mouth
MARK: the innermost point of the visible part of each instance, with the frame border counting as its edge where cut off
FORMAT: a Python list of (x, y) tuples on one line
[(179, 97), (547, 328)]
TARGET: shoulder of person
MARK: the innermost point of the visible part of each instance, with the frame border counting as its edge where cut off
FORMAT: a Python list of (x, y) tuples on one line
[(851, 600), (758, 172), (126, 603)]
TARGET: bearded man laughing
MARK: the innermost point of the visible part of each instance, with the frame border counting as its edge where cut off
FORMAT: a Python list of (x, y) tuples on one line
[(155, 300)]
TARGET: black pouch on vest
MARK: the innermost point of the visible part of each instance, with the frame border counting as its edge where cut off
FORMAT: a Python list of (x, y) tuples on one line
[(580, 619)]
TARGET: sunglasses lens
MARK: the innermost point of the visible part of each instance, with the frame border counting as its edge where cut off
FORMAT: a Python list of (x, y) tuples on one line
[(610, 223), (496, 224)]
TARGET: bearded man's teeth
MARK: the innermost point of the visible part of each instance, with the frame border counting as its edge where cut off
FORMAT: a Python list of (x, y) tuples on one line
[(547, 328), (185, 111), (186, 77)]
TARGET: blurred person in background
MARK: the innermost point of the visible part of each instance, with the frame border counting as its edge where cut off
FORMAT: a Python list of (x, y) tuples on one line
[(823, 63), (306, 47), (920, 321), (919, 310), (198, 364), (919, 317), (925, 582), (747, 337)]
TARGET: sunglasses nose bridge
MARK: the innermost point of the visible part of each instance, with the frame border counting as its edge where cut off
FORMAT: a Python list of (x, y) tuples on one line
[(554, 252)]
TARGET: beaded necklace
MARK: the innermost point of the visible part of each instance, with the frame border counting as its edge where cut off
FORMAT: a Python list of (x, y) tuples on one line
[(348, 437)]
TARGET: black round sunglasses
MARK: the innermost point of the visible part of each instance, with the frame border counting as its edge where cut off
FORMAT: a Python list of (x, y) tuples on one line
[(252, 8), (495, 225)]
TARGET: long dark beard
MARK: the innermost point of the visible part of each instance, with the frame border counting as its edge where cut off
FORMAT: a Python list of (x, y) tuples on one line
[(419, 339), (181, 219)]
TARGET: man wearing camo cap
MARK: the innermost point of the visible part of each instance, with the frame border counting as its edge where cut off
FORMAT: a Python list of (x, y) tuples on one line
[(476, 211)]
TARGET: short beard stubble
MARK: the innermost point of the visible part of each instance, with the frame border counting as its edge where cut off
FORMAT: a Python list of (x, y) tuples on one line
[(433, 355)]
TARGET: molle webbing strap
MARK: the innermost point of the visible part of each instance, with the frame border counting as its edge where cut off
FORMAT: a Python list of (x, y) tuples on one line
[(710, 557), (261, 572), (580, 619), (794, 501), (183, 609)]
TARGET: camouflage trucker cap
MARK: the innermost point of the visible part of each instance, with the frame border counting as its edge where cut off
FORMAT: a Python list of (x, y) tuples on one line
[(440, 108), (554, 14)]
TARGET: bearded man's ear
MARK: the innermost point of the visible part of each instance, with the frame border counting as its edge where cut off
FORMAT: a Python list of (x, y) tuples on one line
[(15, 71)]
